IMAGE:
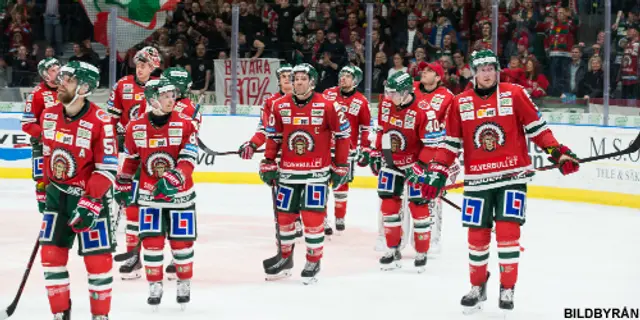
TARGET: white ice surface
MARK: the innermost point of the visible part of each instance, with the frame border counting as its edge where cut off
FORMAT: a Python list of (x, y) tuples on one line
[(576, 255)]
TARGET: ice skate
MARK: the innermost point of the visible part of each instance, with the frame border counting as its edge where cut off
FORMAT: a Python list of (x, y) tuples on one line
[(472, 301), (506, 300), (155, 294), (132, 268), (390, 260), (281, 269), (184, 293), (99, 317), (340, 226), (309, 272), (328, 232), (171, 271), (66, 315), (420, 262)]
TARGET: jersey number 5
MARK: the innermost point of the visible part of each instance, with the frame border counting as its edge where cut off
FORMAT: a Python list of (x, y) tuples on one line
[(109, 146)]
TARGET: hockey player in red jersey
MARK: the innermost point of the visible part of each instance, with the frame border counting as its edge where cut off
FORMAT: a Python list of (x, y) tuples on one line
[(301, 127), (80, 160), (43, 96), (405, 123), (124, 106), (163, 144), (434, 98), (492, 123), (248, 148), (355, 107)]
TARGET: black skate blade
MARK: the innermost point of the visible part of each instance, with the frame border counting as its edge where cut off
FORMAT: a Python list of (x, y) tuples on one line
[(275, 277)]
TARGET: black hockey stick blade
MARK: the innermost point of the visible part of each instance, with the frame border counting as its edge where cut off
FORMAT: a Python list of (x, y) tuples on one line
[(14, 304), (127, 255)]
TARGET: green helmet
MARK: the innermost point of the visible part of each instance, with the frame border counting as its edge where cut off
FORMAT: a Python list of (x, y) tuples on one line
[(309, 70), (45, 64), (180, 78), (86, 74), (482, 58), (154, 87), (284, 67), (354, 71), (399, 82)]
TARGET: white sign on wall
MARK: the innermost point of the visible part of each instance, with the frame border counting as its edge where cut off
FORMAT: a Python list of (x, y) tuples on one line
[(256, 80)]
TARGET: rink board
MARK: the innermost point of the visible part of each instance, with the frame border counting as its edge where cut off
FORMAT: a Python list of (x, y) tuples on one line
[(611, 182)]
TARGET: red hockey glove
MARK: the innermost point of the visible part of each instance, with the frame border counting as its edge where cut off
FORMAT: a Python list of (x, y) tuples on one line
[(84, 216), (246, 150), (123, 191), (433, 180), (168, 185), (339, 175), (268, 171), (416, 173), (375, 161), (364, 157), (566, 160)]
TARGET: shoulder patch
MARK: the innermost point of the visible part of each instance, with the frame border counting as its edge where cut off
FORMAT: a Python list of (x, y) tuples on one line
[(103, 116)]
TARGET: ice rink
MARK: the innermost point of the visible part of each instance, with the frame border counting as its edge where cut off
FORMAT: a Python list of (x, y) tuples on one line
[(576, 255)]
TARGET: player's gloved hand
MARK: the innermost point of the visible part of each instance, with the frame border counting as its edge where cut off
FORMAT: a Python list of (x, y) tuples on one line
[(168, 185), (415, 173), (268, 171), (339, 174), (364, 157), (246, 150), (566, 160), (84, 216), (375, 161), (41, 196), (433, 180), (123, 191)]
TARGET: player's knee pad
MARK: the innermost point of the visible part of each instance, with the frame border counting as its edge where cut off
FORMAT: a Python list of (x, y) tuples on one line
[(391, 206), (342, 188), (52, 256), (507, 231), (183, 253), (419, 211), (287, 228), (153, 243), (312, 219), (132, 212), (479, 239), (313, 222), (97, 264)]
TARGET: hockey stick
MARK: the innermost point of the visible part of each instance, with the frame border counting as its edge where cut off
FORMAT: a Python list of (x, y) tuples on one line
[(633, 147), (12, 307), (127, 255), (270, 262)]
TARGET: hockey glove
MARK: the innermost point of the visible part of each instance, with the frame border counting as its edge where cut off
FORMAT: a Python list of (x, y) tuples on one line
[(415, 173), (268, 171), (84, 216), (564, 158), (247, 149), (364, 157), (375, 162), (123, 191), (433, 180), (168, 185), (41, 196), (339, 175)]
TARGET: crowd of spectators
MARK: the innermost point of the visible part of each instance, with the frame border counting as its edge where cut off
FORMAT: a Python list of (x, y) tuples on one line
[(543, 44)]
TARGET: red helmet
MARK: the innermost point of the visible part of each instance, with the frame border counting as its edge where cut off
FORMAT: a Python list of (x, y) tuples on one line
[(150, 55)]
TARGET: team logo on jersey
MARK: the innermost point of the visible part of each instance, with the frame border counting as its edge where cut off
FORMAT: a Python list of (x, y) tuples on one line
[(316, 120), (103, 116), (423, 104), (48, 125), (133, 113), (157, 143), (398, 141), (436, 102), (127, 88), (489, 137), (64, 138), (301, 121), (317, 112), (354, 109), (139, 96), (175, 132), (51, 116), (63, 164), (409, 121), (466, 107), (300, 142), (287, 112), (139, 134), (396, 122), (486, 113), (86, 124), (83, 133), (158, 163)]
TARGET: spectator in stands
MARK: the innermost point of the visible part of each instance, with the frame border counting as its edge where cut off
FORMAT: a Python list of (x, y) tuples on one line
[(286, 17), (462, 72), (352, 26), (328, 70), (336, 48), (596, 48), (485, 41), (379, 44), (49, 52), (4, 68), (201, 69), (448, 47), (559, 43), (80, 53), (19, 31), (631, 65), (52, 26), (23, 69), (380, 72), (593, 84), (462, 12), (442, 28), (523, 50), (415, 68), (449, 80), (252, 50), (398, 64), (409, 39), (535, 82), (577, 71), (514, 73), (180, 58)]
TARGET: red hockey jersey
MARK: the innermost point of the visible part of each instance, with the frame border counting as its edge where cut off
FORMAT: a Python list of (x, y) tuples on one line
[(304, 133), (184, 106), (435, 105), (259, 137), (124, 102), (41, 97), (407, 129), (356, 108), (158, 150), (80, 153), (494, 137), (629, 72)]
